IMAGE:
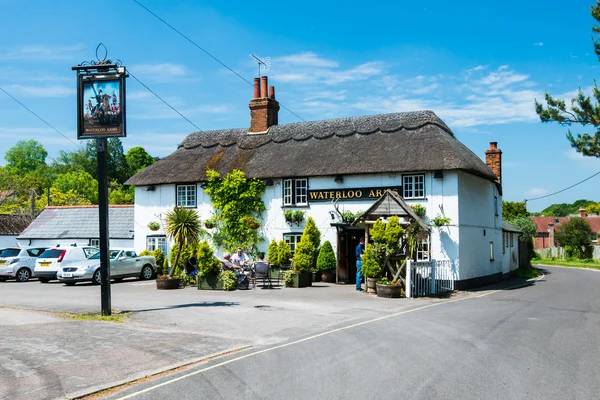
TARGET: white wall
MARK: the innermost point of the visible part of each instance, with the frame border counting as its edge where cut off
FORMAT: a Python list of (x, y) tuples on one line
[(8, 241), (510, 255)]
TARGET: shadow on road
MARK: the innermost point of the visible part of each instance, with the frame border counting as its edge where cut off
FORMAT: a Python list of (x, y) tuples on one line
[(189, 305)]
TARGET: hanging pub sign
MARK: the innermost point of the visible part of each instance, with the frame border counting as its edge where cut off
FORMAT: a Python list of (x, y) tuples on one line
[(101, 105), (367, 193)]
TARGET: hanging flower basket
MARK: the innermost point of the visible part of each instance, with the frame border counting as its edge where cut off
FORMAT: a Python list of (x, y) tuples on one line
[(209, 224), (154, 226), (252, 223)]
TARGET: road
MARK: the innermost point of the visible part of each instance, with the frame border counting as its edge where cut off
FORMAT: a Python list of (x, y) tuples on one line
[(534, 342)]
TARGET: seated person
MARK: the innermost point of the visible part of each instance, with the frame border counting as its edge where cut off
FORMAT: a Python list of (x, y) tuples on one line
[(229, 266), (261, 267), (191, 266), (240, 258)]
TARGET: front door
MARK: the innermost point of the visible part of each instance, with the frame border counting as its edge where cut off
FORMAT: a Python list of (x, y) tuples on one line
[(347, 242)]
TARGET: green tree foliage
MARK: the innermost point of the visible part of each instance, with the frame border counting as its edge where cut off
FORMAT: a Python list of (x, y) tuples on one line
[(314, 237), (326, 259), (235, 199), (371, 268), (304, 256), (186, 253), (575, 236), (386, 238), (118, 170), (183, 226), (526, 226), (208, 264), (159, 256), (138, 159), (593, 209), (71, 161), (273, 254), (514, 209), (25, 157), (284, 253), (120, 194), (79, 182), (68, 198), (563, 209), (582, 111)]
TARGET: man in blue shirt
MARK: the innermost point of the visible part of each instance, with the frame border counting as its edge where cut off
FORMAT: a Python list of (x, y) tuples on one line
[(360, 249)]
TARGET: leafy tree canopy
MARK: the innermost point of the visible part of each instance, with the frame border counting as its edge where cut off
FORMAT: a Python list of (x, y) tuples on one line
[(575, 236), (582, 110), (513, 209), (79, 182), (26, 156), (525, 225), (563, 209), (138, 159), (118, 170)]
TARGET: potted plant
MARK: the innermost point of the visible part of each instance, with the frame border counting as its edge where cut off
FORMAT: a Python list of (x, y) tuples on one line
[(298, 217), (288, 278), (154, 225), (326, 262), (303, 262), (209, 223), (419, 210), (388, 289), (252, 223), (209, 267), (440, 221), (371, 269)]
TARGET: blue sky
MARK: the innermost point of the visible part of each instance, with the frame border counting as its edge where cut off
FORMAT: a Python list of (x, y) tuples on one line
[(477, 65)]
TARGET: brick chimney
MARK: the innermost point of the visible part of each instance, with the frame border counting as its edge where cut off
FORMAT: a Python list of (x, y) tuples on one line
[(493, 159), (264, 108), (582, 212)]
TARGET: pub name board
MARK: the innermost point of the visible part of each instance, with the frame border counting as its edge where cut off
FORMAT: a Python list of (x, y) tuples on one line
[(367, 193)]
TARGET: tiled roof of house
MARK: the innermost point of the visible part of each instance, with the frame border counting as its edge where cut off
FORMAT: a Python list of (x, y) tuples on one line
[(400, 142), (543, 222), (13, 224), (509, 227), (80, 222)]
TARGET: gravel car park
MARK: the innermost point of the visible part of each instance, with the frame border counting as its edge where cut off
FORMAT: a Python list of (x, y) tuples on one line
[(124, 263), (53, 259), (18, 263)]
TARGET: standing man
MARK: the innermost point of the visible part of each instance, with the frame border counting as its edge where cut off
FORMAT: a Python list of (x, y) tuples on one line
[(360, 249)]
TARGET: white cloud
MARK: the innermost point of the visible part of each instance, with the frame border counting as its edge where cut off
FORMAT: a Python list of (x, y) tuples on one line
[(39, 52), (539, 44), (583, 161), (42, 91), (307, 59), (534, 192)]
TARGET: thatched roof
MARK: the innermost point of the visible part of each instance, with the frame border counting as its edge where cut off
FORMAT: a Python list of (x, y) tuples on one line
[(13, 224), (401, 142)]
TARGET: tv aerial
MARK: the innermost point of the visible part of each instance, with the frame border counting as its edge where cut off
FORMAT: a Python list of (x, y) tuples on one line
[(264, 64)]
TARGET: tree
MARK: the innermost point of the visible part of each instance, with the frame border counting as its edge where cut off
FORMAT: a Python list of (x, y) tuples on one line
[(526, 226), (583, 110), (79, 182), (314, 237), (273, 254), (304, 258), (68, 198), (25, 157), (138, 159), (118, 170), (370, 267), (283, 253), (183, 226), (119, 194), (575, 236), (326, 259), (593, 208), (514, 209)]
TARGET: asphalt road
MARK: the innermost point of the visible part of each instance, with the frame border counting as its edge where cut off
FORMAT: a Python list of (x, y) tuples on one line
[(534, 342)]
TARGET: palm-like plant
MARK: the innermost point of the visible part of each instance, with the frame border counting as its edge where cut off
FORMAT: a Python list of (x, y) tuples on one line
[(183, 226)]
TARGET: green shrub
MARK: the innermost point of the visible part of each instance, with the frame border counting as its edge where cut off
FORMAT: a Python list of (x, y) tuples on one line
[(229, 280), (145, 253), (326, 259), (371, 267), (160, 257), (304, 255), (273, 254), (314, 236), (419, 210), (283, 253), (288, 278), (208, 264), (186, 253)]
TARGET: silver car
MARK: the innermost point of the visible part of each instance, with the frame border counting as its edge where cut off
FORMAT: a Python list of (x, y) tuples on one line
[(18, 263), (123, 263)]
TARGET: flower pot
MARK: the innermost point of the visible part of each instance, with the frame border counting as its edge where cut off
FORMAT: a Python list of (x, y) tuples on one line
[(210, 283), (302, 279), (168, 284), (389, 291), (316, 276), (328, 276), (209, 225), (371, 285)]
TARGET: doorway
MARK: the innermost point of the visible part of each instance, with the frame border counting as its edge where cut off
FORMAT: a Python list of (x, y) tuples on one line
[(347, 241)]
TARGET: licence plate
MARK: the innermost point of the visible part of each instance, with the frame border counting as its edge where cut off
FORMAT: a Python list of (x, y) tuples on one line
[(44, 264), (2, 262), (67, 275)]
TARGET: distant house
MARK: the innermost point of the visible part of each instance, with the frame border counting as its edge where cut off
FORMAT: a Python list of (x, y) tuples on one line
[(65, 225), (11, 226), (546, 227)]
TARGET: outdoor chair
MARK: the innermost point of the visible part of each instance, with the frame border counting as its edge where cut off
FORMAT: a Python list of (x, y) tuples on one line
[(261, 271)]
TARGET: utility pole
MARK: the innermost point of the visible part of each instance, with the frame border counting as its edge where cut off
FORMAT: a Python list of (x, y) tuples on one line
[(102, 150)]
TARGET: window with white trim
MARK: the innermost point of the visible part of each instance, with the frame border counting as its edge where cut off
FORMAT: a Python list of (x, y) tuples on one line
[(186, 195), (292, 239), (295, 192), (157, 242), (423, 250), (413, 186), (95, 242), (491, 251)]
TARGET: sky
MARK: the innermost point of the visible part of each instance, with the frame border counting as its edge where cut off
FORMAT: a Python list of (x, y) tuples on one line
[(478, 66)]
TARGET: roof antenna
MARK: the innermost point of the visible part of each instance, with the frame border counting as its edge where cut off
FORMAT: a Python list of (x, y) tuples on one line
[(264, 64)]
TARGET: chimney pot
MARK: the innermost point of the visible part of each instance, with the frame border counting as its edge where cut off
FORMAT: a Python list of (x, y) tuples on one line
[(264, 109), (493, 145), (256, 88), (264, 86), (272, 92), (582, 212)]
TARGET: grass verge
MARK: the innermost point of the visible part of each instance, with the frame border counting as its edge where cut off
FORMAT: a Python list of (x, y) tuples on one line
[(116, 316), (590, 263), (527, 272)]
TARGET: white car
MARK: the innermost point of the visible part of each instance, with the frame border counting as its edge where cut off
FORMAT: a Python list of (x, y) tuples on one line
[(18, 263), (53, 259), (124, 263)]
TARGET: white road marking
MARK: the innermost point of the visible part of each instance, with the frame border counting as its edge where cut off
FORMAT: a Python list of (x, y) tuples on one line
[(129, 396)]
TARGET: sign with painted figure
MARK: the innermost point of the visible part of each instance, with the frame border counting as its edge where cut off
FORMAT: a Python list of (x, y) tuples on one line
[(368, 193), (101, 106)]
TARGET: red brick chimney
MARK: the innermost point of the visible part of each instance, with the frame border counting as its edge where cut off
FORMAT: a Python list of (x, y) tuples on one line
[(493, 159), (582, 212), (264, 109)]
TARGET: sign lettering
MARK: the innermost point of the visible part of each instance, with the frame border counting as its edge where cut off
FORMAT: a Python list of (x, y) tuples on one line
[(351, 194)]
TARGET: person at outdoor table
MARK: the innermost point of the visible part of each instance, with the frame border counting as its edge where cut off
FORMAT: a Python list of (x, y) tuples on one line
[(228, 265), (191, 266), (240, 258)]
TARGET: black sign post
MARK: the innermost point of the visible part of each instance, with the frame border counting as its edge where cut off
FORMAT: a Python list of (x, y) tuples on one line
[(101, 114)]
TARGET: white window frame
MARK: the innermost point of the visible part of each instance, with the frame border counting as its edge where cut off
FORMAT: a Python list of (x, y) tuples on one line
[(287, 192), (287, 237), (186, 195), (409, 186), (157, 242), (295, 192), (423, 250)]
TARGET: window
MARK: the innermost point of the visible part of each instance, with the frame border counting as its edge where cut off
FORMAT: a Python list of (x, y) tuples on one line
[(413, 186), (295, 192), (491, 251), (157, 242), (186, 195), (423, 250), (95, 242), (292, 239)]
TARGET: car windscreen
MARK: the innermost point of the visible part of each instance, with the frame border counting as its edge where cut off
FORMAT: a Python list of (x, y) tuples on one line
[(51, 253), (9, 252), (113, 254)]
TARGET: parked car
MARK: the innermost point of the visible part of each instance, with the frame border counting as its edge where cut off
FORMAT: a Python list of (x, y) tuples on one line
[(124, 263), (53, 259), (18, 263)]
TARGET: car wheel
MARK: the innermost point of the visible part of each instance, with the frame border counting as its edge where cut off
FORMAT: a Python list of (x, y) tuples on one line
[(44, 280), (23, 274), (2, 279), (147, 272), (97, 278), (69, 283)]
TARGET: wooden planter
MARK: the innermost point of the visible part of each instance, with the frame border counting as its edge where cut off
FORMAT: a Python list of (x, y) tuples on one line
[(302, 279), (316, 276), (389, 291), (372, 285), (328, 277), (210, 283), (168, 284)]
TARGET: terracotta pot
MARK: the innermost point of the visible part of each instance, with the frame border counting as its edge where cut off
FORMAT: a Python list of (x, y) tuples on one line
[(168, 284), (328, 277), (389, 291), (371, 285)]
